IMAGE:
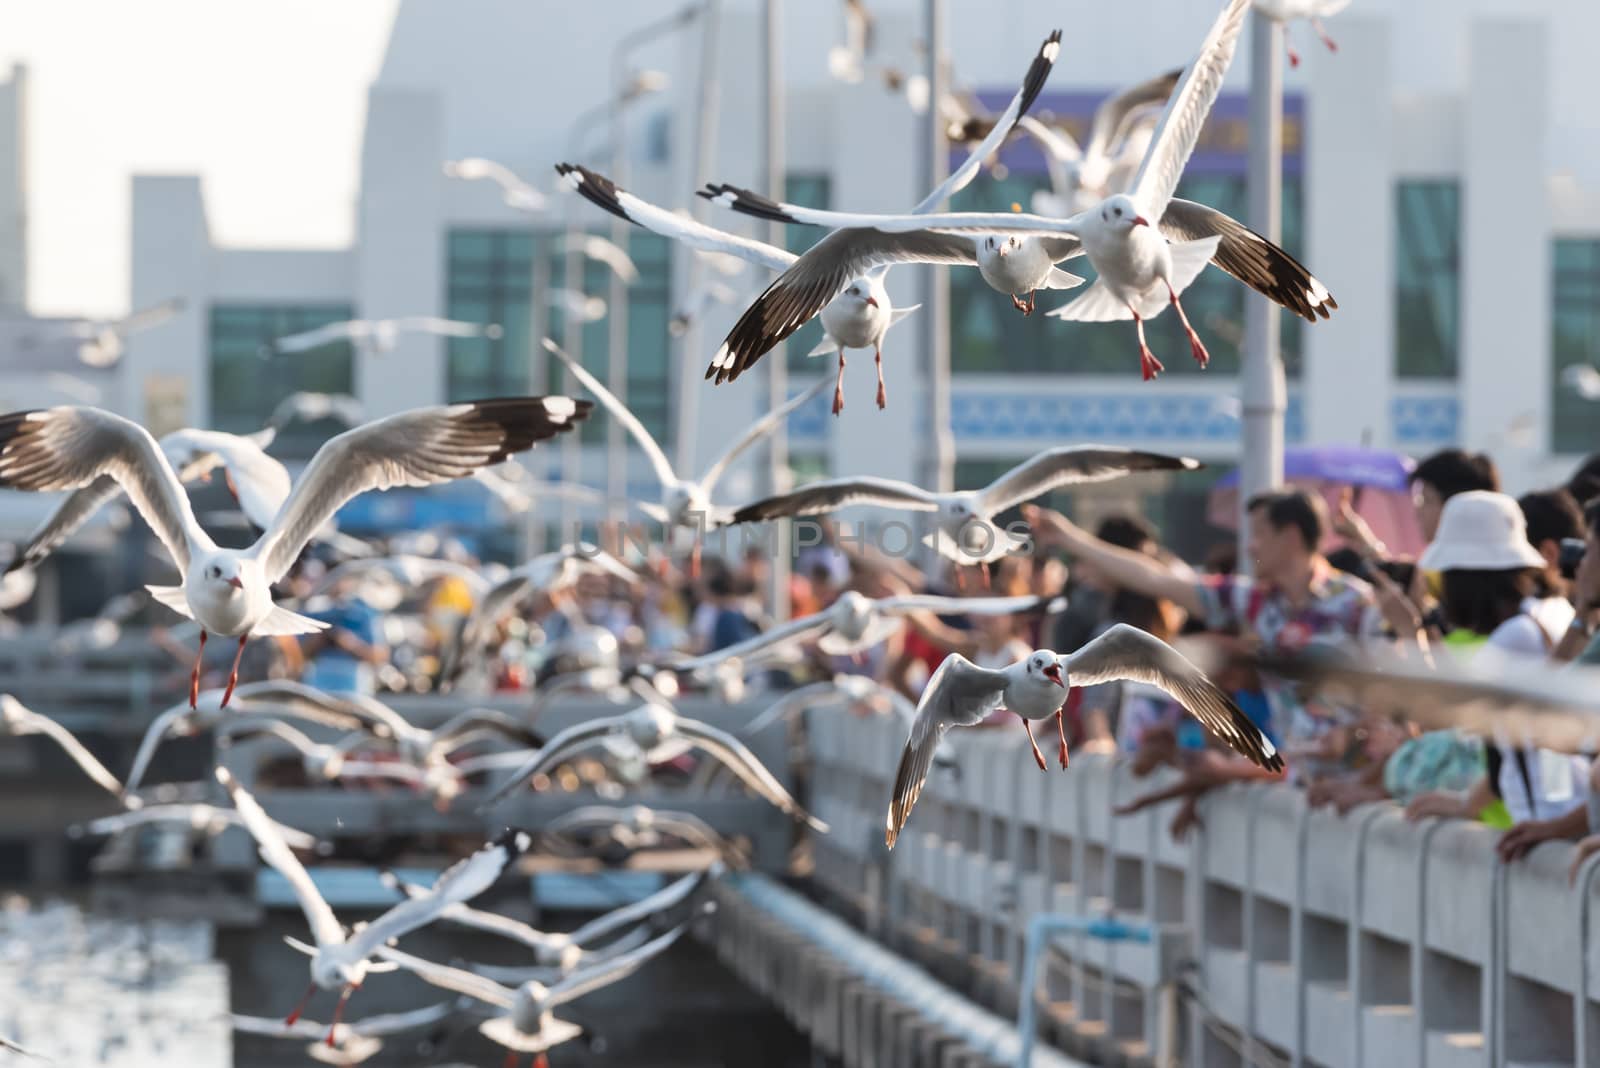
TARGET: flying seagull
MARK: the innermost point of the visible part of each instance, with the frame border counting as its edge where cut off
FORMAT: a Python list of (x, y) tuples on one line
[(1142, 268), (229, 591), (17, 721), (1313, 11), (340, 961), (353, 1042), (961, 694), (381, 335), (516, 193), (965, 519)]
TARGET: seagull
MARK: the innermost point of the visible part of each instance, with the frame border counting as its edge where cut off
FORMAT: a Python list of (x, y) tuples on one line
[(228, 591), (857, 317), (961, 694), (17, 721), (1119, 134), (638, 826), (278, 698), (569, 950), (203, 821), (259, 482), (101, 341), (547, 573), (326, 763), (1018, 265), (603, 250), (529, 1025), (697, 303), (17, 585), (339, 961), (517, 193), (349, 1043), (1313, 11), (966, 532), (1141, 268), (308, 407), (684, 502), (846, 61), (854, 689), (381, 335), (1582, 379), (654, 727), (855, 622), (577, 305)]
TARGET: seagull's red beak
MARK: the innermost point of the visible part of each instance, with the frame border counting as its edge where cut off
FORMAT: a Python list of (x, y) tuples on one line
[(1053, 673), (872, 301), (236, 583), (1140, 220)]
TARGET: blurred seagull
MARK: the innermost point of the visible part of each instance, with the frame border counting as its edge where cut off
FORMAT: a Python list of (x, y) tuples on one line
[(348, 1043), (380, 335), (101, 341), (961, 694), (517, 193), (577, 305), (1119, 134), (1313, 11), (847, 61), (855, 689), (636, 827), (653, 728), (259, 482), (1582, 379), (340, 961), (1142, 268), (684, 502), (603, 250), (565, 951), (965, 519), (17, 721), (1018, 266), (202, 821), (854, 622), (229, 591), (529, 1025), (308, 407), (698, 303)]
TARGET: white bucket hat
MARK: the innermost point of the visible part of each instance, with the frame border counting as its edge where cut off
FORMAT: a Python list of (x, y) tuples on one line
[(1480, 531)]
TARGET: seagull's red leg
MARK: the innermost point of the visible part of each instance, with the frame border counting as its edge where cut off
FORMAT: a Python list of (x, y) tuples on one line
[(1322, 32), (1038, 756), (1294, 57), (1028, 310), (694, 559), (1016, 302), (338, 1011), (233, 675), (838, 386), (1149, 366), (541, 1061), (883, 394), (1061, 732), (1201, 356), (298, 1009), (194, 676), (511, 1058)]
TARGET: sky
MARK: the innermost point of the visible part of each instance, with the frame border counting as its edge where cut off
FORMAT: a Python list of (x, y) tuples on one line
[(265, 103)]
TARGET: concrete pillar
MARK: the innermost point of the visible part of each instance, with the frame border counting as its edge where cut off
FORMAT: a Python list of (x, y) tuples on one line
[(401, 269), (1505, 253), (1349, 223), (166, 372), (14, 192)]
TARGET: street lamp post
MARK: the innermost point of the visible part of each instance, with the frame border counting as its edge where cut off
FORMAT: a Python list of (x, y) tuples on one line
[(939, 459), (777, 362), (1263, 392)]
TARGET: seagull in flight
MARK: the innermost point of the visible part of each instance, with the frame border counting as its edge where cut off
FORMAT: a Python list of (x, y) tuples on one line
[(341, 960), (516, 193), (1313, 11), (202, 821), (1142, 268), (259, 482), (381, 335), (229, 591), (684, 502), (101, 342), (17, 721), (961, 694), (529, 1024), (308, 407), (353, 1042), (1119, 134), (656, 728), (855, 622), (966, 532)]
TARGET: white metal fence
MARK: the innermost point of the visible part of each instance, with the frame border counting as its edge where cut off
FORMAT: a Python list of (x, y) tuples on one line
[(1316, 939)]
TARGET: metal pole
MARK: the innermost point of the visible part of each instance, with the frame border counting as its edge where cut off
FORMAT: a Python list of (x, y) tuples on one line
[(774, 131), (1263, 393), (572, 278), (617, 302), (691, 349), (939, 459)]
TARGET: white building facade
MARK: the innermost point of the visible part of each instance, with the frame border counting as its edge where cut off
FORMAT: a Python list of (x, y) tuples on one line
[(1435, 180)]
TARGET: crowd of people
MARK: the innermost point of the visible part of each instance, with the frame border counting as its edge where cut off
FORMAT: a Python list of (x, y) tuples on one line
[(1500, 577)]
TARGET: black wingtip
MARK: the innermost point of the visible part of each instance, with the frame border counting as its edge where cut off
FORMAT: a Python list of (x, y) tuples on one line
[(1039, 71), (594, 187), (746, 202), (526, 421)]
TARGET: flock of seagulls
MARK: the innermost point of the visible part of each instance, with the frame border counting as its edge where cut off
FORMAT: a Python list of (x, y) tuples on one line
[(1111, 200)]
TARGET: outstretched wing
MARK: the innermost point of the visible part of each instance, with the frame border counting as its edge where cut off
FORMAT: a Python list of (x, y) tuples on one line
[(960, 694), (325, 927), (618, 411), (1125, 652), (1071, 465), (1260, 264), (422, 447), (830, 494)]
